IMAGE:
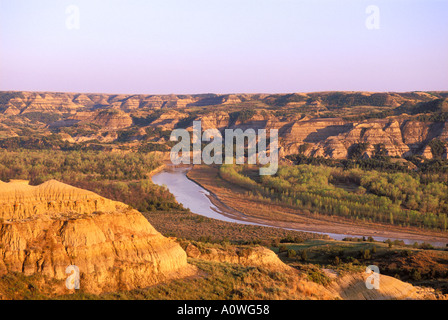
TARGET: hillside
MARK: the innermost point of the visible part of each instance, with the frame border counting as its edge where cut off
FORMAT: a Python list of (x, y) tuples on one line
[(335, 125), (46, 228)]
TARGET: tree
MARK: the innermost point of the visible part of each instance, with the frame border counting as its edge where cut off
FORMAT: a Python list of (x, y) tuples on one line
[(365, 254), (438, 148), (337, 260), (357, 150), (416, 275), (304, 255), (291, 253), (389, 243)]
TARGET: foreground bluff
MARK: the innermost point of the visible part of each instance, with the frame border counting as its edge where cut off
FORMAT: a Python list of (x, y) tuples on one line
[(46, 228)]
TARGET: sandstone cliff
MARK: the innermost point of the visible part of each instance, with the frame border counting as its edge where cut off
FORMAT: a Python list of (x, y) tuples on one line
[(46, 228), (337, 145), (110, 119)]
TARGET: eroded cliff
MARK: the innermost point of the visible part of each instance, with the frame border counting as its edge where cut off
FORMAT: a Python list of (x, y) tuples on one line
[(46, 228), (326, 124)]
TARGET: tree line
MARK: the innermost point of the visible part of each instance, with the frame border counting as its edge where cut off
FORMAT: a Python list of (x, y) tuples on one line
[(394, 198), (123, 177)]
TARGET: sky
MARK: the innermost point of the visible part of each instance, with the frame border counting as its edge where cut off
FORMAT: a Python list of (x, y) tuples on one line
[(223, 46)]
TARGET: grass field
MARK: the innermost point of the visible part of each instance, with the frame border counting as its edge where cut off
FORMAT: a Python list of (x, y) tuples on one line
[(185, 225)]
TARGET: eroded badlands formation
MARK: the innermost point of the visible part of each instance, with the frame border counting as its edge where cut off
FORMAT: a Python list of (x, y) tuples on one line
[(46, 228), (323, 124)]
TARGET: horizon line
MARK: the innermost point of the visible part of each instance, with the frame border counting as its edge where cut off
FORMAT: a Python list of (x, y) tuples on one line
[(223, 94)]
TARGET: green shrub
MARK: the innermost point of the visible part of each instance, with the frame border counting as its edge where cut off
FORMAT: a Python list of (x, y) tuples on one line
[(304, 255), (416, 275), (291, 253)]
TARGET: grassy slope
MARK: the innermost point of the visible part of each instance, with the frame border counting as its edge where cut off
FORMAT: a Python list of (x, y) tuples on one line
[(218, 281), (233, 281)]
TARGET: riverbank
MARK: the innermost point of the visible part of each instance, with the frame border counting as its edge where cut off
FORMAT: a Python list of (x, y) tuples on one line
[(157, 170), (232, 199)]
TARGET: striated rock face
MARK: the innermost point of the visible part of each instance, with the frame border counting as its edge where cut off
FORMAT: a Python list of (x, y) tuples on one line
[(322, 132), (249, 256), (315, 130), (11, 110), (427, 153), (46, 102), (297, 116), (130, 104), (353, 287), (66, 102), (19, 200), (333, 139), (44, 229), (110, 119), (231, 99), (217, 120), (378, 132), (169, 120), (329, 138)]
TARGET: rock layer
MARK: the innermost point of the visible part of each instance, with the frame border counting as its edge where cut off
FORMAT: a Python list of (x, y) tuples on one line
[(353, 287), (246, 256), (114, 247), (398, 128)]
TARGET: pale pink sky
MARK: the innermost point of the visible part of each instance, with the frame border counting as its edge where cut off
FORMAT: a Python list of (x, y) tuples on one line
[(201, 46)]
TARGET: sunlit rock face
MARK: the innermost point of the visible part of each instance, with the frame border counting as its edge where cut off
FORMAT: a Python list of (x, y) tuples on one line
[(320, 120), (46, 228)]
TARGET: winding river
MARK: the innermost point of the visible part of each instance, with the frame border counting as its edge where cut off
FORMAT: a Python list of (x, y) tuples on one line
[(190, 194), (197, 199)]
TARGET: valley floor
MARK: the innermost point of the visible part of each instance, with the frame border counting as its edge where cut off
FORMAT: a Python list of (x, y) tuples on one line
[(232, 199)]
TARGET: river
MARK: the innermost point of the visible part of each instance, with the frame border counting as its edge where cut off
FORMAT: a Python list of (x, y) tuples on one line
[(197, 199)]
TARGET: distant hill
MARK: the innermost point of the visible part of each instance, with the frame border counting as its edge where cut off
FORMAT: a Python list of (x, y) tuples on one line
[(325, 124)]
